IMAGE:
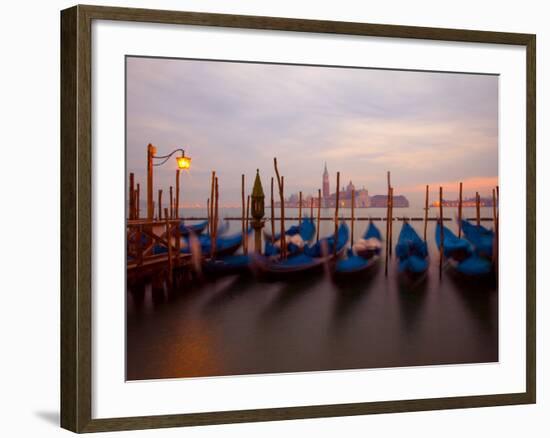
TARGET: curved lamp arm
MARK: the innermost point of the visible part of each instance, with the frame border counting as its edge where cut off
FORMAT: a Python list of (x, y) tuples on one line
[(165, 158)]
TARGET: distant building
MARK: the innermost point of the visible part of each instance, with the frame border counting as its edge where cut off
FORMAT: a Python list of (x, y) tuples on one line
[(399, 201), (326, 186), (362, 198), (468, 202)]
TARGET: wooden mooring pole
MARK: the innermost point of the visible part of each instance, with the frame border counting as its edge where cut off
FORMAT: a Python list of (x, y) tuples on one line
[(272, 214), (352, 215), (138, 209), (247, 221), (280, 182), (131, 197), (318, 212), (160, 204), (478, 201), (208, 217), (212, 201), (214, 242), (494, 210), (169, 244), (171, 203), (336, 212), (387, 233), (177, 201), (426, 208), (300, 210), (460, 211), (391, 221), (441, 234), (243, 214)]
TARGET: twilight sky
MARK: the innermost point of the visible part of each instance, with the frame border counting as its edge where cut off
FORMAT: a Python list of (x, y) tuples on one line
[(426, 128)]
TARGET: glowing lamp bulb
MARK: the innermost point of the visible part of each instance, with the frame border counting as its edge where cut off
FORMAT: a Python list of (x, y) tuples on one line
[(183, 162)]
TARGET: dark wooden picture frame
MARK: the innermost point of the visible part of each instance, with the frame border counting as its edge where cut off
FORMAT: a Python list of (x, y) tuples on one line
[(76, 217)]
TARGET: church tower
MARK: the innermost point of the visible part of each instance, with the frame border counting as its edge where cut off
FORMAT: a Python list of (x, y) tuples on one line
[(326, 185)]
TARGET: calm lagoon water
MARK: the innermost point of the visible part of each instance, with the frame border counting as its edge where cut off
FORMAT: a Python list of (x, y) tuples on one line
[(239, 325)]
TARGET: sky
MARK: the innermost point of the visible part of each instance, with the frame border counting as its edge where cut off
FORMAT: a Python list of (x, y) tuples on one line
[(424, 127)]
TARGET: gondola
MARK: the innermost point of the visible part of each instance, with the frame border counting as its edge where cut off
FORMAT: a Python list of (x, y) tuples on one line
[(412, 253), (292, 266), (228, 265), (453, 247), (296, 237), (325, 246), (480, 237), (311, 259), (461, 257), (370, 245), (225, 246), (306, 231), (185, 230), (355, 265)]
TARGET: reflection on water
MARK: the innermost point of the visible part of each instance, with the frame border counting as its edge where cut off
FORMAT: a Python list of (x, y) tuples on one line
[(239, 325)]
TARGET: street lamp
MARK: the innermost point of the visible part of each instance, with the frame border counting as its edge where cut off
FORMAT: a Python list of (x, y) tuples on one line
[(182, 161)]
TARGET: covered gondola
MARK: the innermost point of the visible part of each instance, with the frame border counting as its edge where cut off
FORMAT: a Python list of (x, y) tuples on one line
[(306, 230), (296, 238), (228, 265), (461, 257), (186, 229), (370, 245), (311, 259), (355, 265), (326, 245), (453, 246), (480, 237), (412, 253)]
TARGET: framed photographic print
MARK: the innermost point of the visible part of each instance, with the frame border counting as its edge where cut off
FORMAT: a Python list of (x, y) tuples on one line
[(269, 218)]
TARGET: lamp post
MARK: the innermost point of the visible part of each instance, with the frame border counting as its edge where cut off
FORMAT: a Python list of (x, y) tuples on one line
[(182, 161), (257, 199)]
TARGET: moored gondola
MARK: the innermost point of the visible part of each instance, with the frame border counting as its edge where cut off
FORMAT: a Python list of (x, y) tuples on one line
[(228, 265), (306, 230), (354, 265), (370, 245), (185, 229), (460, 256), (311, 259), (480, 237), (412, 253)]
